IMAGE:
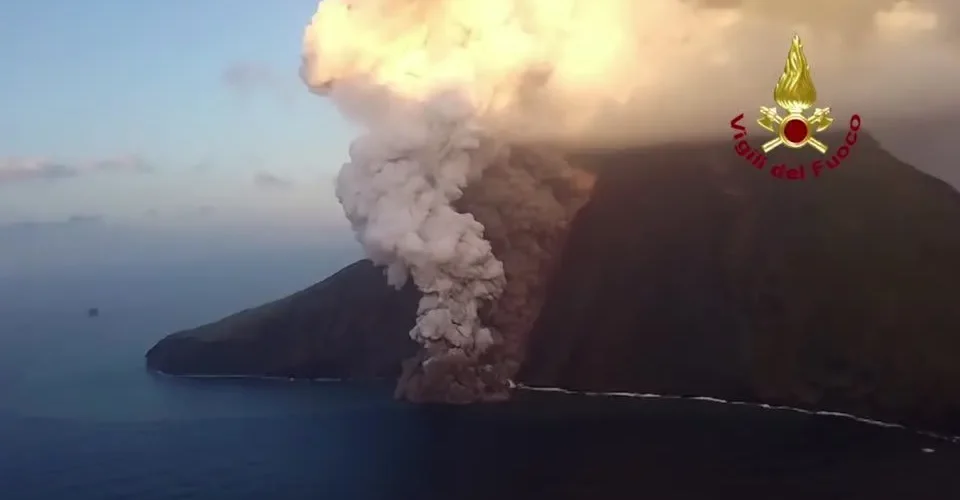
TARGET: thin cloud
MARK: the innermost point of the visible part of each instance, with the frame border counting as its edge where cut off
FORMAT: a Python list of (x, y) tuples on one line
[(206, 210), (267, 180), (129, 163), (24, 169), (20, 169), (248, 78), (32, 226), (183, 212), (202, 167)]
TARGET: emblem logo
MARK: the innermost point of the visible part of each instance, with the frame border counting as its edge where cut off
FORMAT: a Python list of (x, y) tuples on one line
[(795, 93)]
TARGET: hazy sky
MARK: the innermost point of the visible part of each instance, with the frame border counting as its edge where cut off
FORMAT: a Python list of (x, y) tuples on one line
[(155, 110), (181, 114), (130, 130)]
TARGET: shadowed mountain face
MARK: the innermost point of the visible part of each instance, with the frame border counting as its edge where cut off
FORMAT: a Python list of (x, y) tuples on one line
[(688, 272), (350, 325), (692, 274)]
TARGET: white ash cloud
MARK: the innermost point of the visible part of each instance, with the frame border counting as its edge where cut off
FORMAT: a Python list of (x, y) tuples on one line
[(442, 87)]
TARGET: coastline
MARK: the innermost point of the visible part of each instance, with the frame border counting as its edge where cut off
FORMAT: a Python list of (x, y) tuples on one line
[(952, 439), (762, 406), (247, 377)]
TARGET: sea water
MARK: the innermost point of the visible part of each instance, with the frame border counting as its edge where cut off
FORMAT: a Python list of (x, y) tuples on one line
[(81, 419)]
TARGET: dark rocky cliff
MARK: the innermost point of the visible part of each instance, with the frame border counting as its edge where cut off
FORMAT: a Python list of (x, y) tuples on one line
[(689, 272), (350, 325)]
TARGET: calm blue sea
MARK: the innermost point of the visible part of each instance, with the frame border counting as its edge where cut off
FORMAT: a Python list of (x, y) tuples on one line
[(80, 418)]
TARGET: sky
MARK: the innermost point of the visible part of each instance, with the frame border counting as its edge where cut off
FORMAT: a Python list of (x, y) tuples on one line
[(164, 132), (179, 123)]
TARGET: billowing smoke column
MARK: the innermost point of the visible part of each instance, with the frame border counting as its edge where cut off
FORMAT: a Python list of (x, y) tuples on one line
[(445, 90), (397, 191), (428, 81), (625, 70)]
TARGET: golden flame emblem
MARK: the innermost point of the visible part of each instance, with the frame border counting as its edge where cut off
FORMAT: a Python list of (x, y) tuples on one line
[(795, 93)]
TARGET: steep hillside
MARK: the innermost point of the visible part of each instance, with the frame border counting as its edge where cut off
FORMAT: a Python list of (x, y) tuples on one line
[(350, 325), (692, 273), (689, 272)]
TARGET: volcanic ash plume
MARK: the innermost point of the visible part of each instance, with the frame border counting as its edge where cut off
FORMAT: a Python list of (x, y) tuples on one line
[(429, 81), (446, 89)]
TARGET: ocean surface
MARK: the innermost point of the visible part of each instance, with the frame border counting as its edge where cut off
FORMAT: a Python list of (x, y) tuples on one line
[(81, 419)]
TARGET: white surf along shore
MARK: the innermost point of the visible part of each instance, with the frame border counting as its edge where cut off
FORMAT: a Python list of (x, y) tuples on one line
[(633, 395)]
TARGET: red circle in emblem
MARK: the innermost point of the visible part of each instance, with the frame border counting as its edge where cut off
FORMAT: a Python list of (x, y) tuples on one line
[(795, 131)]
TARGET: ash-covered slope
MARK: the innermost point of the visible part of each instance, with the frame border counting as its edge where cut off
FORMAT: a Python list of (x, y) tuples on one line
[(350, 325), (689, 272)]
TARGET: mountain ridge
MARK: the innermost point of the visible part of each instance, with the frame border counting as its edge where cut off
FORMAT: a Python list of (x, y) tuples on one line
[(690, 272)]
